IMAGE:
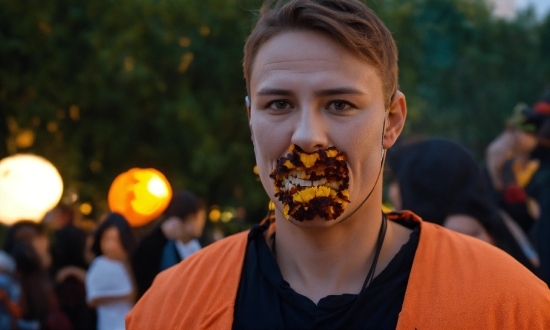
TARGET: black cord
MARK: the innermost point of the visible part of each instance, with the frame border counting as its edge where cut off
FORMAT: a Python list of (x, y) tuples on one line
[(379, 243)]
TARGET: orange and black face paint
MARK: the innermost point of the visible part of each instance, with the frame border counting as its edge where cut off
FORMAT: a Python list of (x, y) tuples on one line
[(312, 184)]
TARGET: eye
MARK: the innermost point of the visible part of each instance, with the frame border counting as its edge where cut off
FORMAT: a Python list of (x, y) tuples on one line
[(279, 105), (340, 106)]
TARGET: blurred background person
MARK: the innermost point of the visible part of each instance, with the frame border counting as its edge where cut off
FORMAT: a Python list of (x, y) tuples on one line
[(109, 281), (539, 186), (441, 182), (510, 166), (28, 244), (69, 266), (174, 239), (10, 292)]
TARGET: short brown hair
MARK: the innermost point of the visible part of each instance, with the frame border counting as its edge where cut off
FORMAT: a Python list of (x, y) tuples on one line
[(349, 22)]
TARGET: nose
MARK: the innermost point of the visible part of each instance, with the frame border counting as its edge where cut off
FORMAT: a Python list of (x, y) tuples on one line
[(310, 130)]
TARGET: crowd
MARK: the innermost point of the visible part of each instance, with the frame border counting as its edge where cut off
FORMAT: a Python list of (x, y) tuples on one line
[(325, 113), (57, 275), (503, 202)]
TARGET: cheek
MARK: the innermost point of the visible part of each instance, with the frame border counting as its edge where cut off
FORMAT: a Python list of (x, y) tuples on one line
[(271, 141), (363, 146)]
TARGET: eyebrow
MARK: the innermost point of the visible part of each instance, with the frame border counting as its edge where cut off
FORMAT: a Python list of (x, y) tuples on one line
[(323, 92)]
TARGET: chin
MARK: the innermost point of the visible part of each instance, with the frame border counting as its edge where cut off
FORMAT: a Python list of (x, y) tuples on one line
[(316, 222)]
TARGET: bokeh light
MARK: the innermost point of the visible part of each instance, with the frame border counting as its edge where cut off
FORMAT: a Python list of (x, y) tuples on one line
[(30, 186), (140, 195)]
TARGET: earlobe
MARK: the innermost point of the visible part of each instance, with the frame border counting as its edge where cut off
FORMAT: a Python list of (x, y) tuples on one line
[(395, 120), (247, 106)]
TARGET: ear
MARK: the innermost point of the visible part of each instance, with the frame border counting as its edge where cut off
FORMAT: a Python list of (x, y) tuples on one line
[(396, 119), (247, 106)]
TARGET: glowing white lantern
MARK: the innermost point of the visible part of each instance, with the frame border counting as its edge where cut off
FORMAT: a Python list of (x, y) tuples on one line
[(30, 186)]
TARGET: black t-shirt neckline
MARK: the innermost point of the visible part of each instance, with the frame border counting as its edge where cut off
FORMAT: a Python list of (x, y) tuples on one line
[(266, 301)]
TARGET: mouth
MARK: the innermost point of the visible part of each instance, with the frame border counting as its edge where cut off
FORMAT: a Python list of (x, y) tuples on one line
[(312, 184)]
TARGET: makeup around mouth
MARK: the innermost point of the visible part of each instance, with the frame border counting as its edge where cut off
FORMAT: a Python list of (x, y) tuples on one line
[(312, 184)]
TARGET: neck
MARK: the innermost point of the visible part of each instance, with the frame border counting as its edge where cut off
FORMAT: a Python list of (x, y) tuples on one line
[(186, 240), (332, 259)]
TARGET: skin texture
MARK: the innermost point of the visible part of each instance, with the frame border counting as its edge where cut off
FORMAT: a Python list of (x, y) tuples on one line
[(41, 244), (197, 225), (111, 245), (308, 90), (394, 195), (187, 229), (468, 225)]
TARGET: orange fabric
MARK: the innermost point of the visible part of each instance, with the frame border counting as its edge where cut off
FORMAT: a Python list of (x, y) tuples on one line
[(456, 282), (197, 293), (460, 282)]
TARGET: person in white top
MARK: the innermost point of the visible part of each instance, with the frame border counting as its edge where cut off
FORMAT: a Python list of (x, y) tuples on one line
[(109, 282)]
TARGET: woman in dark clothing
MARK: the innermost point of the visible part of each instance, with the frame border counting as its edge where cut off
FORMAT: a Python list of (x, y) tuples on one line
[(69, 266), (441, 182), (27, 243)]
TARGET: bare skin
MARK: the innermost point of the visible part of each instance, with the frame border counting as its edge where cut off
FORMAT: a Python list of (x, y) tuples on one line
[(309, 91), (467, 225), (185, 230)]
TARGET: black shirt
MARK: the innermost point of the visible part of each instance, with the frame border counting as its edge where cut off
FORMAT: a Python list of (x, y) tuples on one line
[(266, 301), (146, 259)]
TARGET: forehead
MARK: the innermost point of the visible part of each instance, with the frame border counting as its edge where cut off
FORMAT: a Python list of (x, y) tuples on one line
[(295, 54)]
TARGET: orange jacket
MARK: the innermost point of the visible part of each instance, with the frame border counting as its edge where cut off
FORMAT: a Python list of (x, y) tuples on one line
[(456, 282)]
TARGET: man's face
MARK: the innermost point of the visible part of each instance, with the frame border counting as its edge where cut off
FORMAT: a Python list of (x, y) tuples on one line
[(308, 90)]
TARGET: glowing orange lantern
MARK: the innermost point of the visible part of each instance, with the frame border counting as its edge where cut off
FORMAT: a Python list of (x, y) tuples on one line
[(140, 195)]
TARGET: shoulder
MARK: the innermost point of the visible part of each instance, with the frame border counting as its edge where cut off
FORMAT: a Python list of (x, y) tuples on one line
[(460, 280), (103, 267), (218, 255), (180, 294), (478, 263), (98, 262)]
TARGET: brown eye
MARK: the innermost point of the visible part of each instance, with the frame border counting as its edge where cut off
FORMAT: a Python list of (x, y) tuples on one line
[(339, 106), (279, 105)]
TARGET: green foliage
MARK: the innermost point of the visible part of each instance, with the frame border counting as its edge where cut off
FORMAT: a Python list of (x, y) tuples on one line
[(463, 70), (109, 85)]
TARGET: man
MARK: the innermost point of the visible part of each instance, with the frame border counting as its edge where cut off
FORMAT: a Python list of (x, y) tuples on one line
[(173, 240), (323, 107)]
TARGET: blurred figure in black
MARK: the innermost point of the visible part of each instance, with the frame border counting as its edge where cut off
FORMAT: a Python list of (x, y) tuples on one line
[(69, 266), (539, 185), (441, 182), (173, 240)]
